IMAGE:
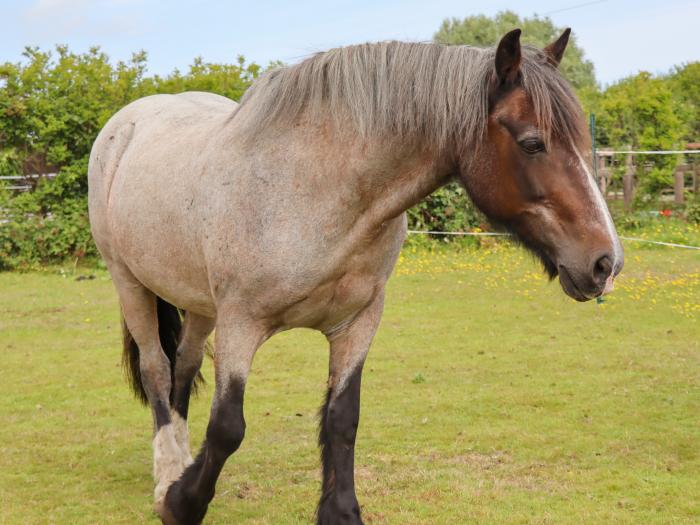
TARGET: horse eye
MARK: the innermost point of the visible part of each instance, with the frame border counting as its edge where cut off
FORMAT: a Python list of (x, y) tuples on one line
[(532, 145)]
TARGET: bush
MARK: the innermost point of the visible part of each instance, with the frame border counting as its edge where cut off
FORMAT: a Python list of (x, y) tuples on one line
[(37, 239), (448, 209), (692, 212)]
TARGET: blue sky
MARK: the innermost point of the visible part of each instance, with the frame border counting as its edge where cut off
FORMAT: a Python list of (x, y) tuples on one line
[(621, 37)]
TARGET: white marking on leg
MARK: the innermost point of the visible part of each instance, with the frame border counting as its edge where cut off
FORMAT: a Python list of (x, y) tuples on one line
[(168, 461), (347, 372), (182, 437)]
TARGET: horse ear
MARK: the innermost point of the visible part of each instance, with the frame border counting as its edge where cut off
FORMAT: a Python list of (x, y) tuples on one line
[(508, 57), (555, 50)]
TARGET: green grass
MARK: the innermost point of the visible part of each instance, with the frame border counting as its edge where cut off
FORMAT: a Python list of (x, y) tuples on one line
[(660, 229), (488, 397)]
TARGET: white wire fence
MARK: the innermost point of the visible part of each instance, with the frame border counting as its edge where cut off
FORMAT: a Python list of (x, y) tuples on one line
[(499, 234), (24, 180), (651, 152)]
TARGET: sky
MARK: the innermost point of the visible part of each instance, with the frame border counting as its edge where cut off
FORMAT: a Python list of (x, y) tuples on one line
[(621, 37)]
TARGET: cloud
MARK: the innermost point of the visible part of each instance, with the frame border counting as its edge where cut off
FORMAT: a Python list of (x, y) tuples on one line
[(62, 14), (96, 18), (43, 7)]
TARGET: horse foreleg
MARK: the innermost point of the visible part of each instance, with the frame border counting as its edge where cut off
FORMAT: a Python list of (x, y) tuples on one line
[(340, 417), (187, 498), (190, 352)]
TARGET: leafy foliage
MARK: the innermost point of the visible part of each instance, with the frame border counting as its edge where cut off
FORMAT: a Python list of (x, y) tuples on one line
[(448, 209), (692, 212), (229, 80), (685, 84), (50, 224), (640, 113)]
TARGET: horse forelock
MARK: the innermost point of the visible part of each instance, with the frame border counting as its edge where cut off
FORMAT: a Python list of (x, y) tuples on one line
[(556, 107), (423, 91)]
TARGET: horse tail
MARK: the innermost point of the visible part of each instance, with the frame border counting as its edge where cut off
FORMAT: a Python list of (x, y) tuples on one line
[(169, 331)]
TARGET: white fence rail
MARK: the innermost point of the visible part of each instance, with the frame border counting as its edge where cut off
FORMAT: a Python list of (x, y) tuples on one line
[(499, 234), (649, 152), (24, 178)]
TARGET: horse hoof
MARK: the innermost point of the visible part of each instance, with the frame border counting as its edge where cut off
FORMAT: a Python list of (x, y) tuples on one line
[(331, 514), (178, 509), (166, 517), (174, 516)]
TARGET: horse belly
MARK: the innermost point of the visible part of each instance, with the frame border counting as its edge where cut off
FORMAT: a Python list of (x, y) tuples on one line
[(358, 279), (332, 303), (175, 279)]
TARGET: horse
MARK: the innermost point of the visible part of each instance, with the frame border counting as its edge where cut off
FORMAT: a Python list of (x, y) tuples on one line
[(288, 210)]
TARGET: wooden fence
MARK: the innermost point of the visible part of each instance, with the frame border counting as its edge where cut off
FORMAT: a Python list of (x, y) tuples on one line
[(686, 175)]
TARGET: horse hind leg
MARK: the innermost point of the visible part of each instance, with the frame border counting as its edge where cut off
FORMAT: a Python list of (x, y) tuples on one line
[(151, 331), (190, 352)]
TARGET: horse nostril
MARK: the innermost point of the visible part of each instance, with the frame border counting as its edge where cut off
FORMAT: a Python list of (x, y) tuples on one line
[(602, 268)]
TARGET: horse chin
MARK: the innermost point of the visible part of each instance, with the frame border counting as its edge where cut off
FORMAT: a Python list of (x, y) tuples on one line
[(570, 287)]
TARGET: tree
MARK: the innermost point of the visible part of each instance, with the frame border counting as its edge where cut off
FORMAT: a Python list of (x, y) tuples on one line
[(229, 80), (685, 85), (483, 31)]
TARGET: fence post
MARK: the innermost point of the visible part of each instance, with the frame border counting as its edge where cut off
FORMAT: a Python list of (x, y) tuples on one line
[(602, 175), (678, 184), (628, 182), (594, 155)]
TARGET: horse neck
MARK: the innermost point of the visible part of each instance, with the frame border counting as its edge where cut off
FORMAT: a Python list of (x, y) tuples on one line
[(376, 177), (387, 176)]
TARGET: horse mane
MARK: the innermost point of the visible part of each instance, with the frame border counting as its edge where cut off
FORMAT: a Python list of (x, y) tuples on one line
[(425, 91)]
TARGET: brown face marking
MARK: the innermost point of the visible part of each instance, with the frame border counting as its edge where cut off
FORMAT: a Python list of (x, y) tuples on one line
[(499, 193), (536, 174), (539, 188)]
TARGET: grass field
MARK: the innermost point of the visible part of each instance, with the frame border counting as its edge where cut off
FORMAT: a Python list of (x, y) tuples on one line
[(488, 397)]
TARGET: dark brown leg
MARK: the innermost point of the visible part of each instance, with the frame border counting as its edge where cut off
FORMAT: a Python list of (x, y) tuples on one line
[(339, 420), (188, 498), (340, 416), (190, 352)]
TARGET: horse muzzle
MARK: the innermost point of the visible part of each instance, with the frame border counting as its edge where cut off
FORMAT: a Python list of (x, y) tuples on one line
[(593, 279)]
